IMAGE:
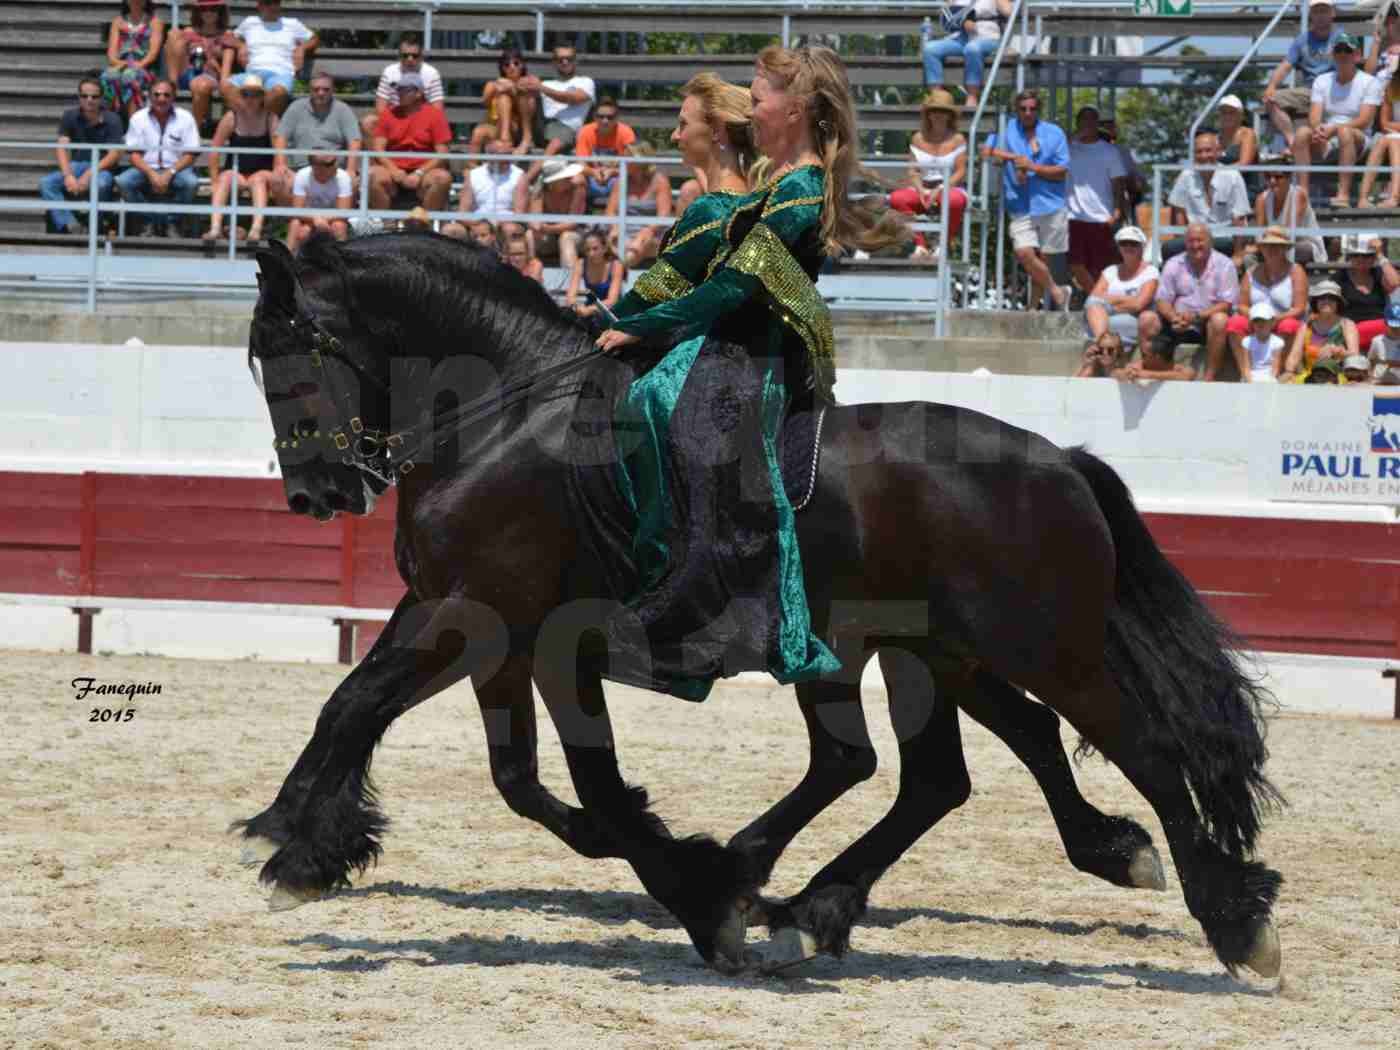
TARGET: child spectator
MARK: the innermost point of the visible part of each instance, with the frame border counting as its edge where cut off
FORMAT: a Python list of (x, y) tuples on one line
[(1327, 370), (519, 257), (323, 185), (1103, 358), (1356, 370), (386, 95), (479, 231), (1259, 355), (86, 123), (133, 47), (1386, 149), (597, 271), (604, 136), (200, 57), (1384, 352), (250, 126), (648, 193), (510, 108), (273, 49)]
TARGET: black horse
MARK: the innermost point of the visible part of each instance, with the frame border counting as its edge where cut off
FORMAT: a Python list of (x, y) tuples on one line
[(970, 554)]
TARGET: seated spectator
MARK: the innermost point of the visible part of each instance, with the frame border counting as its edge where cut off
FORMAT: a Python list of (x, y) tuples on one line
[(975, 41), (1277, 281), (1239, 145), (324, 186), (1284, 205), (273, 49), (564, 103), (318, 124), (1356, 370), (561, 193), (163, 144), (1104, 358), (1344, 105), (133, 47), (510, 108), (604, 136), (412, 126), (1326, 370), (1326, 337), (597, 271), (250, 126), (1367, 284), (938, 159), (1384, 352), (1217, 203), (1097, 200), (479, 231), (87, 123), (1385, 49), (1259, 354), (1123, 291), (648, 193), (494, 189), (1197, 291), (386, 95), (200, 57), (1385, 149), (519, 257), (1035, 165), (1311, 55)]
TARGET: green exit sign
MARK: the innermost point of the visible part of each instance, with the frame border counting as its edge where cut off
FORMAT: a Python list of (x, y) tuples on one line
[(1163, 8)]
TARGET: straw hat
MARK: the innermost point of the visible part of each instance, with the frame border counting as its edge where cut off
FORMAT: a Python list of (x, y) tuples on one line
[(1276, 235), (939, 99)]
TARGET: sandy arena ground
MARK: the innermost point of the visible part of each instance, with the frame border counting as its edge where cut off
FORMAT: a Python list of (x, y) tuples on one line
[(126, 921)]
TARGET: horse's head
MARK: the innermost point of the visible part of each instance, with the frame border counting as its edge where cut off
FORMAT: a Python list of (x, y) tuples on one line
[(325, 388)]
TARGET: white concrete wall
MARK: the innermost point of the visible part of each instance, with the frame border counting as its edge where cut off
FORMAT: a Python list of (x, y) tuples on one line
[(1182, 447)]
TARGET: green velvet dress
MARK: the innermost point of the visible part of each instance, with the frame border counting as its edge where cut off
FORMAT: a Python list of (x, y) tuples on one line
[(719, 585)]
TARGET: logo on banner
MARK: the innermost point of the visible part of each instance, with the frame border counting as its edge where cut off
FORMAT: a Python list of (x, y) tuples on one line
[(1384, 422)]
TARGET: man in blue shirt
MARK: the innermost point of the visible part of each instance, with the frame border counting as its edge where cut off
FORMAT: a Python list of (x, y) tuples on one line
[(1035, 162), (1311, 56)]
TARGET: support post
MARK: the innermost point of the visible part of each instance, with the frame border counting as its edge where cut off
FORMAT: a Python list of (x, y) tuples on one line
[(85, 629), (94, 220), (346, 650)]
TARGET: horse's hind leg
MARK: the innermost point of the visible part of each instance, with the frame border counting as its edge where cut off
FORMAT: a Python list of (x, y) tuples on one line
[(933, 781), (1116, 849)]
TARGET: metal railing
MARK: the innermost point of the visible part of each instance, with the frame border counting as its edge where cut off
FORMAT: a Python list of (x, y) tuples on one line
[(95, 208)]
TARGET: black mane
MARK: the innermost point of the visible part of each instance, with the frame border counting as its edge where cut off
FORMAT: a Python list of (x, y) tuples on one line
[(427, 287)]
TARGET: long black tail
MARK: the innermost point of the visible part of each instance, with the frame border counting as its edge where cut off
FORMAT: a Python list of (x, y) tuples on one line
[(1173, 657)]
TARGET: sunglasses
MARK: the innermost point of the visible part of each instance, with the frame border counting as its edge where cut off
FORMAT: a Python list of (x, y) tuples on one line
[(511, 62), (88, 95), (607, 116), (251, 94), (410, 56), (323, 163), (162, 94)]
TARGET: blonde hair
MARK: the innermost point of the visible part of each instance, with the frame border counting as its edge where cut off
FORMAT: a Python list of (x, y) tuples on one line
[(729, 105), (818, 75), (644, 169)]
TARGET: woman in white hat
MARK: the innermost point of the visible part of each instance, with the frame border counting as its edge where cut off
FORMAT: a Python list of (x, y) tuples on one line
[(1327, 335), (1123, 291), (1238, 143), (1277, 281)]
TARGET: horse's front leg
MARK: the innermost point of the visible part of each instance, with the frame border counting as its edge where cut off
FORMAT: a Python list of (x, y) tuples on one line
[(266, 833), (326, 814), (708, 887)]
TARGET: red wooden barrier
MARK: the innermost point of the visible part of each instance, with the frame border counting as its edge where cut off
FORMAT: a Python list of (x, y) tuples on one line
[(1283, 584)]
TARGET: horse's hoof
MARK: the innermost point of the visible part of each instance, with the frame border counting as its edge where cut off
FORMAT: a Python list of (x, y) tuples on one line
[(257, 850), (1266, 956), (283, 899), (730, 937), (789, 947), (1145, 872)]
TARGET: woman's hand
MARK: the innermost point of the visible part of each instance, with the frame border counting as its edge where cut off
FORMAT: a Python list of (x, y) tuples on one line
[(613, 339)]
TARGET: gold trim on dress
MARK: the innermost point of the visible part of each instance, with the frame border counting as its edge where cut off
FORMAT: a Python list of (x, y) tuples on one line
[(690, 235), (793, 297), (662, 282), (793, 203)]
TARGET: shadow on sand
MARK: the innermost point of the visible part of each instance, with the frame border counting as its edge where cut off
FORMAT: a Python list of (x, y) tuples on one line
[(630, 958)]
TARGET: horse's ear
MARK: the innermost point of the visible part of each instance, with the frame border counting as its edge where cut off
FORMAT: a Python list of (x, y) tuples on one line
[(277, 276)]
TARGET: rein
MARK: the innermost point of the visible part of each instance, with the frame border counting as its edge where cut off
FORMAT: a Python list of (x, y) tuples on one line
[(387, 457)]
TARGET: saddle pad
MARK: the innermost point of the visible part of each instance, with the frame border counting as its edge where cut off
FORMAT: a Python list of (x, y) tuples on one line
[(799, 453)]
